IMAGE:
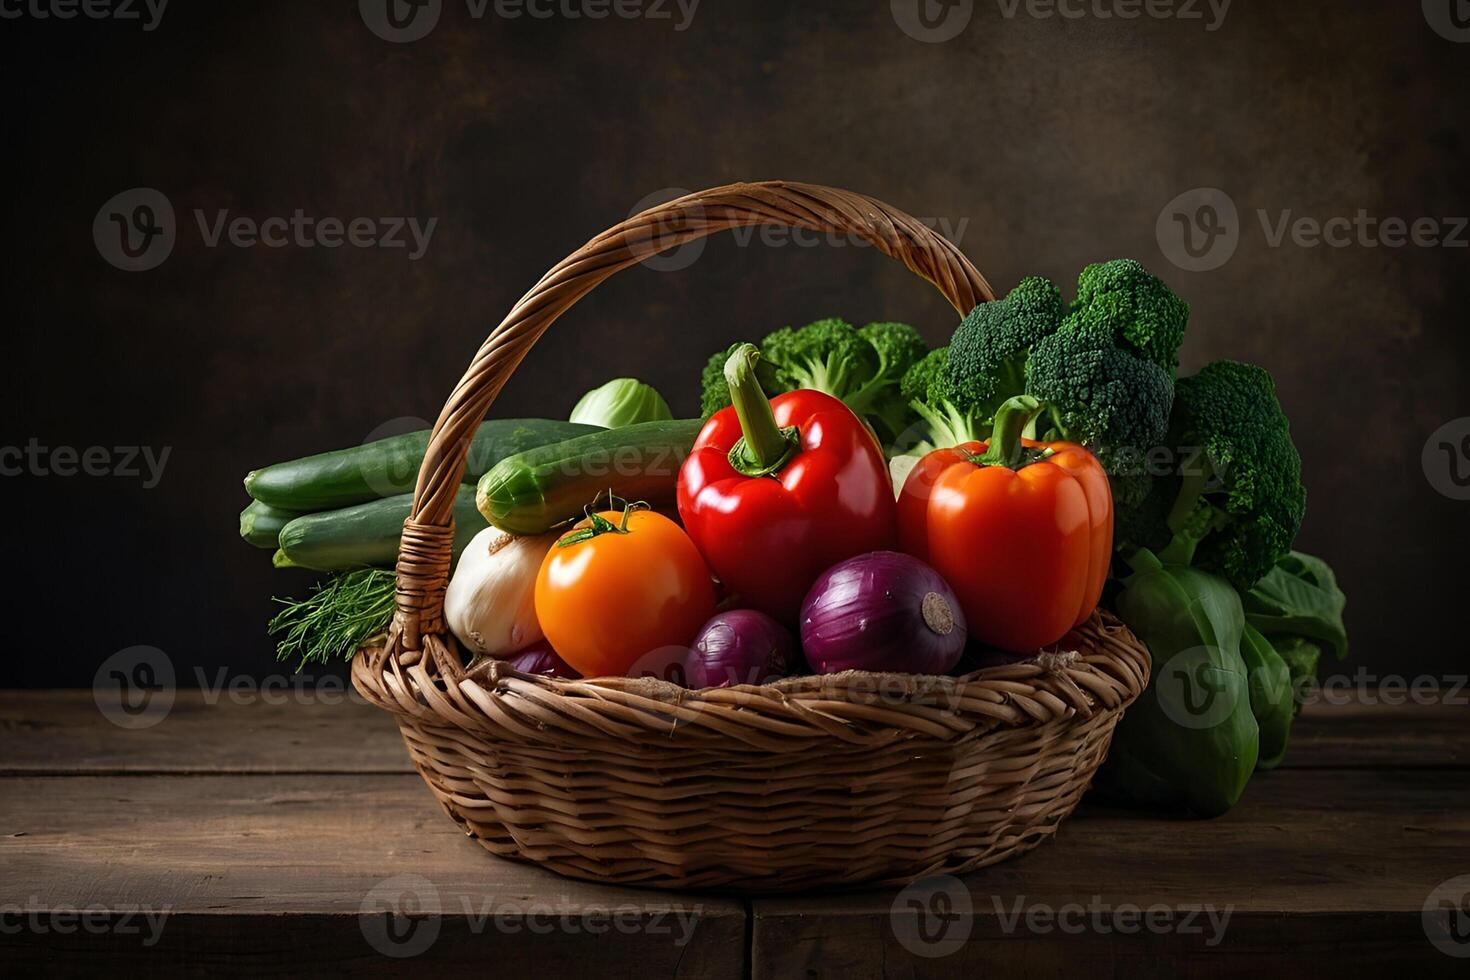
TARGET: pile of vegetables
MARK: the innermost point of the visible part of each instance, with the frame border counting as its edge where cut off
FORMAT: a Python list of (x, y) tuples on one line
[(852, 500)]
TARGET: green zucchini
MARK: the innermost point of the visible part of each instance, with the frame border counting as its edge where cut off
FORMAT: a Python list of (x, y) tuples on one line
[(365, 535), (534, 491), (388, 467), (260, 524)]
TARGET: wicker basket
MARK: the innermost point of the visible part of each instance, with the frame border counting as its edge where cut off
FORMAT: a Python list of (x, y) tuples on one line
[(807, 782)]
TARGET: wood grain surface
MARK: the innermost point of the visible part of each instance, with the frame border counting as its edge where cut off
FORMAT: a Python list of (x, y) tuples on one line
[(271, 839)]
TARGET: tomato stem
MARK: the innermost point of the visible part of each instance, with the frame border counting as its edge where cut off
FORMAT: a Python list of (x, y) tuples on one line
[(764, 447), (598, 525)]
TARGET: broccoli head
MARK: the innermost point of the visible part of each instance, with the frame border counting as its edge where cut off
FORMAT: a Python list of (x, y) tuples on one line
[(828, 355), (1125, 300), (1240, 499), (989, 349), (1107, 398), (863, 367)]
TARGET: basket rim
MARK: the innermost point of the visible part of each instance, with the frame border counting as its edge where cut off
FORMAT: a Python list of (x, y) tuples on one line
[(1097, 668)]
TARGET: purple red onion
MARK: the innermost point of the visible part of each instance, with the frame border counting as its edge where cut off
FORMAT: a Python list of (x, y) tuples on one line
[(741, 646), (540, 658), (882, 611)]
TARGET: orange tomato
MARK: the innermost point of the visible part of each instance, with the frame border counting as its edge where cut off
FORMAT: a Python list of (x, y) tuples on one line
[(606, 601)]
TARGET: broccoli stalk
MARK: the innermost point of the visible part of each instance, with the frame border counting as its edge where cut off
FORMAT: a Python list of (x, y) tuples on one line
[(944, 422)]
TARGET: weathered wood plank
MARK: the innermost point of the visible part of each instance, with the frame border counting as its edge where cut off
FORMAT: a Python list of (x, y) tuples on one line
[(64, 732), (1323, 872), (1383, 734), (293, 873)]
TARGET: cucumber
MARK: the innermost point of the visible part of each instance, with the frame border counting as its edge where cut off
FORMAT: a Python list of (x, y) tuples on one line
[(260, 524), (533, 491), (365, 535), (389, 467)]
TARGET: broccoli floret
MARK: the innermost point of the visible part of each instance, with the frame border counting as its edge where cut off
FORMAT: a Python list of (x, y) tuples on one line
[(946, 418), (1240, 498), (714, 393), (828, 355), (1105, 397), (988, 352), (861, 367), (1123, 299), (899, 347)]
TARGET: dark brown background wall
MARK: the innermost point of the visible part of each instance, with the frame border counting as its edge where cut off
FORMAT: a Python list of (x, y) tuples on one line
[(1042, 144)]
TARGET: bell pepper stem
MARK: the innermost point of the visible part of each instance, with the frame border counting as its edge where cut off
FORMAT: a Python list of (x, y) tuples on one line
[(1011, 421), (764, 447)]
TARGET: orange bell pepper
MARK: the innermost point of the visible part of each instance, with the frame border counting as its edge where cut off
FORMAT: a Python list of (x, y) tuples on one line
[(1021, 530)]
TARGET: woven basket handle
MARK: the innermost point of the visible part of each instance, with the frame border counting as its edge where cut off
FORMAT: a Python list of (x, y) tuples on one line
[(426, 547)]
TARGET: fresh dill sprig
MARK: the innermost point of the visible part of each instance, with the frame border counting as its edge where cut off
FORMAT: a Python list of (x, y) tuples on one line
[(337, 618)]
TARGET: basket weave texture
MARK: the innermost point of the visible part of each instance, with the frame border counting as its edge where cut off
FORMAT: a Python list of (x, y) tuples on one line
[(809, 782)]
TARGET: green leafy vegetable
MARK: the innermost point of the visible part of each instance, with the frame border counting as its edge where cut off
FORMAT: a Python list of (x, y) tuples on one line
[(1298, 606), (1271, 698), (1191, 740), (620, 402)]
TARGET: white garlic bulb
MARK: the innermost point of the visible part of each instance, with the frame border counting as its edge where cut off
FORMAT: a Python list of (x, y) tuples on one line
[(490, 604)]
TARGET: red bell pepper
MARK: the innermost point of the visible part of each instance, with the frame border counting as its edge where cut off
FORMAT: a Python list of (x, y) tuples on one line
[(1021, 530), (776, 492)]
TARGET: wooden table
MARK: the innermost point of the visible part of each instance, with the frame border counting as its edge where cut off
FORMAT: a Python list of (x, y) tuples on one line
[(270, 838)]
